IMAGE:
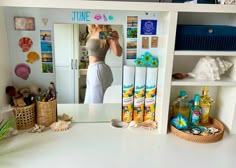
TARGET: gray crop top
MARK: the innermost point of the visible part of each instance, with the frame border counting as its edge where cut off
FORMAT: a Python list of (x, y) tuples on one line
[(93, 47)]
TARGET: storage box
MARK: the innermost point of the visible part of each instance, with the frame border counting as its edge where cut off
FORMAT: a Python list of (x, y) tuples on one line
[(205, 37)]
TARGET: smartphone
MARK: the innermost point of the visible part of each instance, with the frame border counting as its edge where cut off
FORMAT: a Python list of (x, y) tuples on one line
[(105, 34)]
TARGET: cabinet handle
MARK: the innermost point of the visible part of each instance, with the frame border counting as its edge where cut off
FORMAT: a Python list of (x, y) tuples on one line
[(72, 64), (76, 66)]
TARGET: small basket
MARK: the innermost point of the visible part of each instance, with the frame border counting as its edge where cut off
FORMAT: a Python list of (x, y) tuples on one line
[(25, 116), (201, 139), (46, 112)]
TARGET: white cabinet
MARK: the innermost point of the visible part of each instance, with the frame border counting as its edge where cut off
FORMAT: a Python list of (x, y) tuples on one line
[(66, 62), (223, 91)]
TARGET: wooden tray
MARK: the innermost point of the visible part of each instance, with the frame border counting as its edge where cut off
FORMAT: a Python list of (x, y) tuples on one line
[(199, 138)]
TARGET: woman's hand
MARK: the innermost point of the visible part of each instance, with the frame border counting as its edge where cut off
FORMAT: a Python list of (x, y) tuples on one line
[(114, 36)]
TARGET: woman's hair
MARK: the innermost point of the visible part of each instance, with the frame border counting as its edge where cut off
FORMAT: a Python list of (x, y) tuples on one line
[(92, 28)]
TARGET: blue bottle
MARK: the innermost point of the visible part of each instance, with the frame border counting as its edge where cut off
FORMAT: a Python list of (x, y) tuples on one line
[(195, 111)]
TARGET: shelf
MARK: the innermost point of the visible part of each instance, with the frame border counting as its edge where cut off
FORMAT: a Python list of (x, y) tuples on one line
[(205, 53), (225, 81), (83, 71)]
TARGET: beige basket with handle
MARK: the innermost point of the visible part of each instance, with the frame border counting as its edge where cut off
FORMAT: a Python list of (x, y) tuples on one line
[(46, 112), (25, 116)]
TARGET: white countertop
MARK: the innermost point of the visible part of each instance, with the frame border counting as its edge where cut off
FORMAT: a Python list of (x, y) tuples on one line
[(92, 112), (99, 145)]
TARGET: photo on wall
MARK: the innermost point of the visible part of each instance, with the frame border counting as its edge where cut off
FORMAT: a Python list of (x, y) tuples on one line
[(46, 51), (47, 67), (131, 53), (131, 43), (132, 32), (132, 21)]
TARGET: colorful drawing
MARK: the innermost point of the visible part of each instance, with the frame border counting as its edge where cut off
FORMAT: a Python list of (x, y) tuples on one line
[(25, 44), (132, 21), (22, 70), (32, 57)]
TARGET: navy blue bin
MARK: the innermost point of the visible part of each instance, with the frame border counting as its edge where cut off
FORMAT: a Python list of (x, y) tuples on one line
[(205, 37)]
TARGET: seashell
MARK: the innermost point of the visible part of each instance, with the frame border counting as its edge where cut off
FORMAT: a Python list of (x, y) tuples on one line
[(150, 125), (22, 70), (32, 57), (60, 126), (25, 43), (133, 124), (208, 68), (65, 117), (37, 128)]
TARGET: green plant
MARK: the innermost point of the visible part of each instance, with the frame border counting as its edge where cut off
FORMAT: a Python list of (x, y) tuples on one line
[(5, 128)]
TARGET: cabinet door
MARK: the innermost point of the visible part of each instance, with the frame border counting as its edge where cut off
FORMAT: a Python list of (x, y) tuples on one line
[(64, 62)]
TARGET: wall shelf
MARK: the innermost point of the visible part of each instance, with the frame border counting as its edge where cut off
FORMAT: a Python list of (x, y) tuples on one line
[(205, 53), (225, 81)]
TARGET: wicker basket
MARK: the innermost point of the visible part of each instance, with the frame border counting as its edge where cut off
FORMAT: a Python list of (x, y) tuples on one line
[(201, 139), (25, 116), (46, 112)]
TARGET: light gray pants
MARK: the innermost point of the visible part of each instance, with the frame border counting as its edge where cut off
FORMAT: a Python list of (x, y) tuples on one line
[(99, 78)]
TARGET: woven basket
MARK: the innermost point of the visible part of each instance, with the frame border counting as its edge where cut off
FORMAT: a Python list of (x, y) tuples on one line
[(25, 116), (46, 112), (199, 138)]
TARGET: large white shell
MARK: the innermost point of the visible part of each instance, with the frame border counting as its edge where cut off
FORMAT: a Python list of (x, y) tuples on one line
[(208, 68)]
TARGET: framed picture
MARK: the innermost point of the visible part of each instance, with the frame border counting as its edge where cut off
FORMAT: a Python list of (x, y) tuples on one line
[(24, 23)]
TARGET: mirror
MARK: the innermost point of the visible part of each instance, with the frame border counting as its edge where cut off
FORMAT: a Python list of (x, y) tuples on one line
[(71, 60)]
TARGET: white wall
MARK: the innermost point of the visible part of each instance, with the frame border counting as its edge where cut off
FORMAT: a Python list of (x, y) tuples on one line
[(5, 71)]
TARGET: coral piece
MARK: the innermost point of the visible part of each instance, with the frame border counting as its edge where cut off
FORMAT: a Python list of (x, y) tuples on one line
[(25, 43), (60, 126), (37, 128), (209, 68), (32, 57), (65, 117), (150, 125), (22, 70)]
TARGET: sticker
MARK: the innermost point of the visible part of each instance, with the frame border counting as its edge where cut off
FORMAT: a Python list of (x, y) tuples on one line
[(145, 42), (45, 21), (25, 44), (32, 57), (148, 27), (81, 16), (22, 71), (154, 42)]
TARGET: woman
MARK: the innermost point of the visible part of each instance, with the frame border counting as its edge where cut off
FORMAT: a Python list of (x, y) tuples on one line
[(99, 74)]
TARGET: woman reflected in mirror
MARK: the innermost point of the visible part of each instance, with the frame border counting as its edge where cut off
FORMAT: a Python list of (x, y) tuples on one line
[(100, 39)]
